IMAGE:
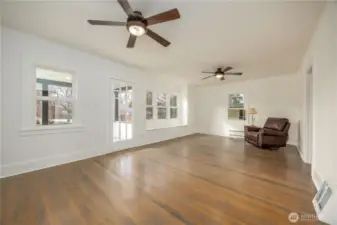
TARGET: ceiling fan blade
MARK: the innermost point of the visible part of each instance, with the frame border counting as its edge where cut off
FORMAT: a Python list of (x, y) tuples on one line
[(207, 77), (106, 23), (208, 72), (158, 38), (126, 7), (237, 74), (131, 41), (172, 14), (227, 69)]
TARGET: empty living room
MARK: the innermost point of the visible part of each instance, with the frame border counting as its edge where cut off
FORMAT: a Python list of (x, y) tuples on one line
[(144, 112)]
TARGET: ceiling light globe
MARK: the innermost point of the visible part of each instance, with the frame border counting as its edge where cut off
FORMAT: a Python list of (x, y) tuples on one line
[(218, 75), (137, 30)]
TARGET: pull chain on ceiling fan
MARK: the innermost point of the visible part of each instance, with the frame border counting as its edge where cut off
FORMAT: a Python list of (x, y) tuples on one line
[(137, 25)]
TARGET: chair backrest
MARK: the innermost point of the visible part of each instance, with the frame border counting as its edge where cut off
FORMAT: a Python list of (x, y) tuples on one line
[(280, 124)]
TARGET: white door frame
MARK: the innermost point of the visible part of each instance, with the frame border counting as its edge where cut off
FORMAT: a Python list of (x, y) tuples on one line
[(309, 115)]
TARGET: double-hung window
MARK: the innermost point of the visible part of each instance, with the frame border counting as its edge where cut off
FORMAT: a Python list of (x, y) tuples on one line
[(54, 97)]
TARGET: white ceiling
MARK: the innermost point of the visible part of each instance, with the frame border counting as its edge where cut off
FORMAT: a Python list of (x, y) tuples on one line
[(258, 38)]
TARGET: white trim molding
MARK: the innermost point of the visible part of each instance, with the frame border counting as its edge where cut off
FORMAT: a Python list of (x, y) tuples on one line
[(161, 128), (42, 163), (317, 179), (51, 129), (301, 154)]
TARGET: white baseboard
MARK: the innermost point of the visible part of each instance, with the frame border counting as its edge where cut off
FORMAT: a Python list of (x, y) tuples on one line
[(292, 142), (317, 179), (220, 135), (301, 154), (139, 142), (295, 143), (42, 163)]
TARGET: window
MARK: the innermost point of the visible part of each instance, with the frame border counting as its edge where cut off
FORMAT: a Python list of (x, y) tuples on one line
[(123, 112), (163, 110), (236, 101), (236, 109), (162, 106), (54, 97), (166, 106), (173, 107), (149, 105)]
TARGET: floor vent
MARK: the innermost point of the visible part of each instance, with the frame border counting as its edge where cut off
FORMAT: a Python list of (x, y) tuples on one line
[(325, 203)]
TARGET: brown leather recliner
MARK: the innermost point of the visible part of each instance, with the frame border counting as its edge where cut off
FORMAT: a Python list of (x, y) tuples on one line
[(274, 133)]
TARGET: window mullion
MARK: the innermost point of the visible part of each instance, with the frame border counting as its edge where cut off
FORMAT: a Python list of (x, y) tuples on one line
[(119, 114)]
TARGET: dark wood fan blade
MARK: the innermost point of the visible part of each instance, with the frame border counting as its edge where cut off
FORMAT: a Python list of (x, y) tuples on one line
[(131, 41), (172, 14), (126, 7), (237, 74), (227, 69), (207, 77), (158, 38), (106, 23), (207, 72)]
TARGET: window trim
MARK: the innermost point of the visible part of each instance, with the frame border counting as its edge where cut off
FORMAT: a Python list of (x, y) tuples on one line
[(55, 129), (157, 124), (30, 60), (167, 106)]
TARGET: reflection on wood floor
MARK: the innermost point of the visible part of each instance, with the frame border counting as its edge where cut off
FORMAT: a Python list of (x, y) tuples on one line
[(199, 179)]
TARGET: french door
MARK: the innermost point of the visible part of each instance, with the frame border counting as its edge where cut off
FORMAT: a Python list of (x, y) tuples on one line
[(121, 110)]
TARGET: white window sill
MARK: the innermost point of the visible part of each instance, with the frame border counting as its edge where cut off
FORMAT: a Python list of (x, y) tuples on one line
[(160, 128), (51, 129)]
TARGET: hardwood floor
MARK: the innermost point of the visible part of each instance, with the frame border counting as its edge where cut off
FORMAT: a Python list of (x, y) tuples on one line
[(199, 179)]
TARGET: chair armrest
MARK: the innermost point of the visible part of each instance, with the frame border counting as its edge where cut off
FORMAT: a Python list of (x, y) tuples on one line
[(252, 128), (270, 132)]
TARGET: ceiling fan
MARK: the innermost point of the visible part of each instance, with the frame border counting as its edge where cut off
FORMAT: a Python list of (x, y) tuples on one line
[(220, 73), (137, 25)]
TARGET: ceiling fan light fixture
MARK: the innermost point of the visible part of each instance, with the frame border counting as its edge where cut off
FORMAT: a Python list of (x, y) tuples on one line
[(219, 75), (136, 28), (137, 24)]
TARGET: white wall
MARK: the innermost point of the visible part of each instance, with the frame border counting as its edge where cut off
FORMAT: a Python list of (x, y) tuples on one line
[(0, 97), (322, 55), (272, 97), (26, 151)]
